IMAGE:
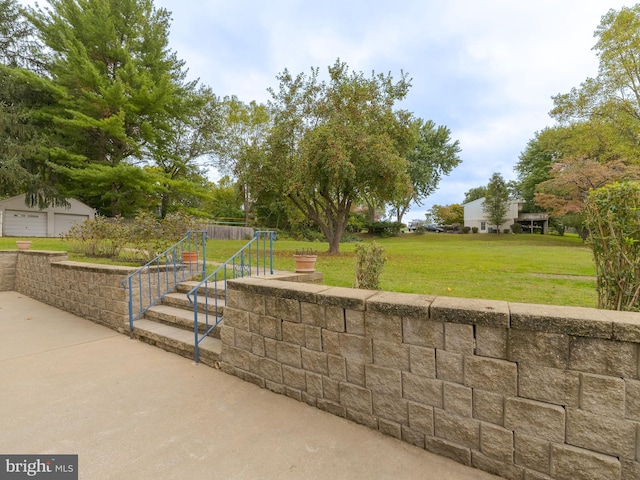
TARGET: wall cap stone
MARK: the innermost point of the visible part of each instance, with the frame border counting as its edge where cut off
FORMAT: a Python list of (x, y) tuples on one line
[(577, 321), (304, 292), (487, 313), (400, 304)]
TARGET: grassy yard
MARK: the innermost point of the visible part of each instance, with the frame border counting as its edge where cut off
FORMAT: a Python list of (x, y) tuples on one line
[(516, 268)]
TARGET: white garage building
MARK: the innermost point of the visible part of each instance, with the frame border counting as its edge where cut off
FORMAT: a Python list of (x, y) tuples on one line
[(19, 220)]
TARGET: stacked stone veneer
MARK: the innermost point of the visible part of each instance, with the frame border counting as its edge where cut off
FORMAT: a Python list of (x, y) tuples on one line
[(527, 392), (91, 291)]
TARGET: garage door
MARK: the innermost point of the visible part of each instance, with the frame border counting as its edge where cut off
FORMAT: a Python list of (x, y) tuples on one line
[(19, 223), (64, 221)]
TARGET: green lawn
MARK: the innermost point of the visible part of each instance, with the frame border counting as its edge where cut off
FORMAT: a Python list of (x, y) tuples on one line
[(516, 268)]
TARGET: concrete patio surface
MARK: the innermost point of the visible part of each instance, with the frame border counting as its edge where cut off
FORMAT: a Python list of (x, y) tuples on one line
[(133, 411)]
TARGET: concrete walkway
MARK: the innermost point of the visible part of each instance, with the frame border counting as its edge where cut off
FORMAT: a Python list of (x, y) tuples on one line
[(132, 411)]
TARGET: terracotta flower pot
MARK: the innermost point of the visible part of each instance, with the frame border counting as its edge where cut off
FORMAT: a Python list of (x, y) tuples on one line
[(23, 244), (305, 263), (189, 257)]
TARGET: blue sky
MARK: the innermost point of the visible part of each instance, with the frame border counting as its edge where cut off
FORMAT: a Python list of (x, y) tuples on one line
[(484, 68)]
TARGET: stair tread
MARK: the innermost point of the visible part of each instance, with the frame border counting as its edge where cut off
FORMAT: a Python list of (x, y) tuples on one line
[(176, 334), (171, 310)]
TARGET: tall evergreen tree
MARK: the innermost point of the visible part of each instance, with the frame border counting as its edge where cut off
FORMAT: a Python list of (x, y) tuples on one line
[(121, 87)]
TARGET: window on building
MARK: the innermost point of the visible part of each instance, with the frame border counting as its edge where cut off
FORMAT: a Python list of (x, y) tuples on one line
[(483, 225)]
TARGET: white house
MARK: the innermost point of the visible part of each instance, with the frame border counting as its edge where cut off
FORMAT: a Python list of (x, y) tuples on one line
[(19, 220), (474, 216)]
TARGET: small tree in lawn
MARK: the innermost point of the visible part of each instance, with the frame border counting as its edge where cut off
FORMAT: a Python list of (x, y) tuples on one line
[(496, 201)]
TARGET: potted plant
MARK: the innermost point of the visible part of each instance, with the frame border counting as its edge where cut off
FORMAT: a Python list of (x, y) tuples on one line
[(306, 260), (23, 244)]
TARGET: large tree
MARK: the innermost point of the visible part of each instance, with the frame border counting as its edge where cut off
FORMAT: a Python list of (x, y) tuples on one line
[(122, 86), (333, 143), (496, 201), (433, 156)]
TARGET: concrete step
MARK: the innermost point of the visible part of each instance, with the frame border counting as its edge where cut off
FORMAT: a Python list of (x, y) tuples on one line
[(180, 300), (176, 340), (180, 318), (214, 288)]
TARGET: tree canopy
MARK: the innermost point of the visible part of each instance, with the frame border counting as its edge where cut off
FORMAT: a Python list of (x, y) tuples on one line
[(496, 201)]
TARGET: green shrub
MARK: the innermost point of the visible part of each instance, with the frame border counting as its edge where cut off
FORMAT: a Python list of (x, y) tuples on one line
[(98, 237), (612, 217), (516, 228), (474, 229), (370, 261), (385, 229), (506, 230), (466, 230)]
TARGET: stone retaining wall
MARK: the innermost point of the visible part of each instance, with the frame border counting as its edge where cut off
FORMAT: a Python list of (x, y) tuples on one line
[(91, 291), (8, 261), (527, 392)]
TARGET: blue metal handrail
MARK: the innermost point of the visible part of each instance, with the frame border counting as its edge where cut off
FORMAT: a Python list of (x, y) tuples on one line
[(151, 282), (241, 264)]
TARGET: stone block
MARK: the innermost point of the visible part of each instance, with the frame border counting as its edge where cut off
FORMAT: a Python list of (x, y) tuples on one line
[(286, 309), (447, 449), (235, 357), (488, 313), (630, 469), (309, 399), (356, 398), (458, 399), (463, 431), (608, 435), (337, 367), (532, 453), (293, 393), (422, 332), (494, 375), (330, 342), (254, 323), (249, 302), (574, 321), (459, 338), (354, 322), (383, 380), (270, 327), (496, 442), (335, 318), (412, 437), (294, 377), (227, 335), (243, 339), (491, 342), (289, 354), (422, 390), (394, 304), (547, 384), (313, 337), (331, 389), (390, 428), (355, 373), (422, 361), (488, 407), (449, 366), (540, 420), (236, 318), (603, 395), (315, 361), (293, 333), (381, 327), (421, 418), (391, 355), (275, 387), (539, 348), (314, 384), (347, 298), (571, 463), (331, 407), (497, 467), (270, 348), (632, 399), (356, 348), (313, 314), (362, 418), (604, 357), (391, 408)]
